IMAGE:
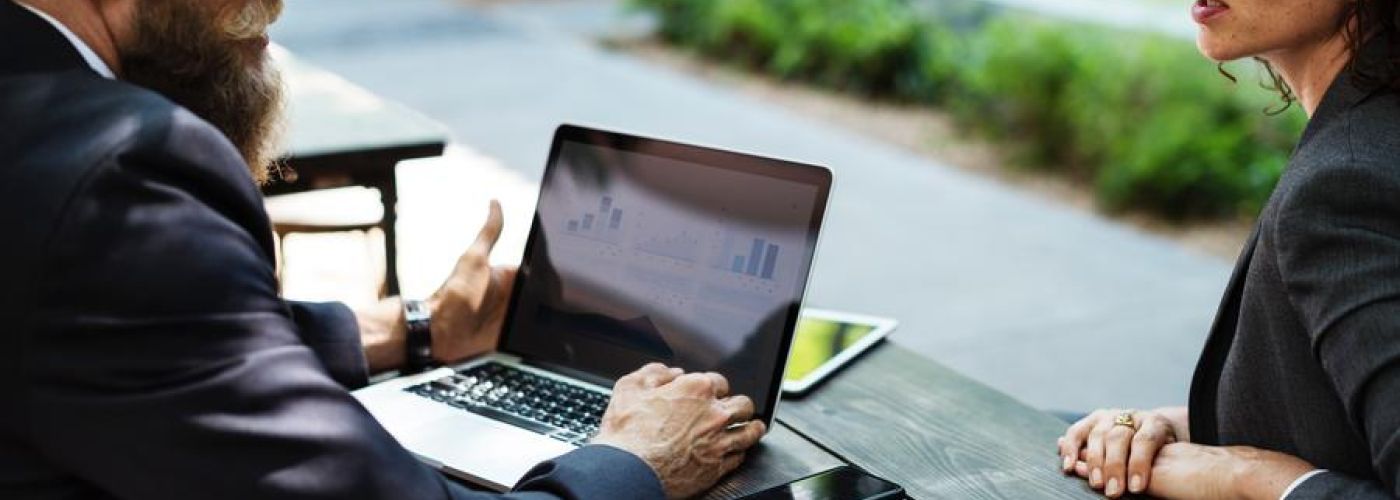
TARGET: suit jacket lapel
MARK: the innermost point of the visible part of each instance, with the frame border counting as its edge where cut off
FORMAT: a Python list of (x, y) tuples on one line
[(1205, 384), (32, 45)]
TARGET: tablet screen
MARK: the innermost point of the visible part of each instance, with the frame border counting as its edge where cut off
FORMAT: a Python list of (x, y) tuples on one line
[(819, 339)]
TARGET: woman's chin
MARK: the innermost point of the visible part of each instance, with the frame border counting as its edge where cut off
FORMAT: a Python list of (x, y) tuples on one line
[(1215, 50)]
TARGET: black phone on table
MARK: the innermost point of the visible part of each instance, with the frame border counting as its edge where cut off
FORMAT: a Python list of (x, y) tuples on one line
[(841, 483)]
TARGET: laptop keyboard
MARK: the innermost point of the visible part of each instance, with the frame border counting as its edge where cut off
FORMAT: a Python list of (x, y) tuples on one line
[(560, 410)]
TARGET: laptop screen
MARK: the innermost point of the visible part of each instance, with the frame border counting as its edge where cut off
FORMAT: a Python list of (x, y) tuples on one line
[(645, 250)]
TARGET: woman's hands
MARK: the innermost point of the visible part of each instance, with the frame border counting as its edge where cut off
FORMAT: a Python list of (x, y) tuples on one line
[(469, 308), (1154, 458), (1118, 458), (1185, 470)]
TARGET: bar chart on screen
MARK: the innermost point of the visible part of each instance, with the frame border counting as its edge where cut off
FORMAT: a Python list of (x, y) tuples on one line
[(756, 257), (605, 224)]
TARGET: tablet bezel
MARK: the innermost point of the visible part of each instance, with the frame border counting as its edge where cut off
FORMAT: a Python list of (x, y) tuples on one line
[(882, 328)]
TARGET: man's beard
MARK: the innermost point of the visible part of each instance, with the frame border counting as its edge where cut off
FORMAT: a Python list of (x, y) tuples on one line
[(189, 53)]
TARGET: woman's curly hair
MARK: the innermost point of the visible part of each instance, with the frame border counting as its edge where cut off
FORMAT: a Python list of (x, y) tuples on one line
[(1362, 22)]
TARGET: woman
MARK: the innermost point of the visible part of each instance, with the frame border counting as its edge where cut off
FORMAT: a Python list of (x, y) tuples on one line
[(1297, 393)]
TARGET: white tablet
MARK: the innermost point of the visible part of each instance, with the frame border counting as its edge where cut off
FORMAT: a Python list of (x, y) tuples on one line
[(827, 340)]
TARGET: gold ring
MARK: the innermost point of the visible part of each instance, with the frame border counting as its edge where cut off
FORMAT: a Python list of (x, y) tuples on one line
[(1126, 419)]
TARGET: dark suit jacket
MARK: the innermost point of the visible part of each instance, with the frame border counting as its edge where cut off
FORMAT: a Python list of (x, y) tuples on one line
[(146, 353), (1304, 357)]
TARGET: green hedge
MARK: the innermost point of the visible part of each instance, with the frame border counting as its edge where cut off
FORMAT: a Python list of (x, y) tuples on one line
[(1144, 117)]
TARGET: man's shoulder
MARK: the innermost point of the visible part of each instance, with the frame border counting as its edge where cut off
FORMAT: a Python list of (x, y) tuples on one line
[(64, 128), (70, 139), (74, 119)]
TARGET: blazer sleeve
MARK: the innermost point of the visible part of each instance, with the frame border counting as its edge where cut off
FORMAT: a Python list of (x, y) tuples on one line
[(332, 333), (1339, 257), (163, 365), (1330, 485)]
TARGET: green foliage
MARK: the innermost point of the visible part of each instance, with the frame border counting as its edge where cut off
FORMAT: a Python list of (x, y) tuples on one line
[(864, 45), (1144, 117)]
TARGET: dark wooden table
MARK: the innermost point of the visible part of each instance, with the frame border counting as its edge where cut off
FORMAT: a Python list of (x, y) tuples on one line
[(341, 135), (910, 420)]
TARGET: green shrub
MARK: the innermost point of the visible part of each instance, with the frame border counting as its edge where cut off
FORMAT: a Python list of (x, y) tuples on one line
[(1152, 124), (1011, 82)]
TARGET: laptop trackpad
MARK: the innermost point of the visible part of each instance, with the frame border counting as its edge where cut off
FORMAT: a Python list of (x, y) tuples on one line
[(493, 454)]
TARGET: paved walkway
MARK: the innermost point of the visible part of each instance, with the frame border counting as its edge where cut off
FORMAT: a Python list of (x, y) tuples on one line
[(1060, 309), (1168, 18)]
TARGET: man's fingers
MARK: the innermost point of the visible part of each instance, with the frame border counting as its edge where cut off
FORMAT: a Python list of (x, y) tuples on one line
[(1148, 440), (1117, 444), (721, 384), (490, 232), (731, 462), (660, 375), (647, 377), (506, 277), (743, 438), (739, 408)]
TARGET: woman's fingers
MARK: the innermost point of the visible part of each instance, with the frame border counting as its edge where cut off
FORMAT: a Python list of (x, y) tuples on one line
[(1118, 442), (1094, 450), (1081, 469), (1155, 433), (1073, 441)]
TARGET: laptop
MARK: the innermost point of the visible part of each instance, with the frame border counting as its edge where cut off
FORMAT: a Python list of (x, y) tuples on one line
[(641, 250)]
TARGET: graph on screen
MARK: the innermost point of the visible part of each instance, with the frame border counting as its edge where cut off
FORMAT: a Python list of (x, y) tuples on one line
[(754, 257), (604, 224)]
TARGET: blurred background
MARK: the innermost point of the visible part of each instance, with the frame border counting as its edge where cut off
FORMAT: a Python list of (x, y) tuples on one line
[(1048, 196)]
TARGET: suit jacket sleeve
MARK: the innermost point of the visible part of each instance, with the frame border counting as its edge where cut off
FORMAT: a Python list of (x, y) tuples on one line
[(332, 333), (163, 365), (1339, 256), (1330, 484)]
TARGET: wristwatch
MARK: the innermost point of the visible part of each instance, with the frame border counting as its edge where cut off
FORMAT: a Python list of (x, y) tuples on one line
[(420, 338)]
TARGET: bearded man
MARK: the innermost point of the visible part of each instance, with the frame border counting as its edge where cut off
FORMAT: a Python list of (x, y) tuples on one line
[(146, 352)]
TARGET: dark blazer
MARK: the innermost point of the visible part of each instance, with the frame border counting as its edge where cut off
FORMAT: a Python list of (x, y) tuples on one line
[(146, 353), (1304, 357)]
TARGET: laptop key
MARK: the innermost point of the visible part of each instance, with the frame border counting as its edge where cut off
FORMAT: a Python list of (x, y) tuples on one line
[(567, 437), (524, 423), (564, 411)]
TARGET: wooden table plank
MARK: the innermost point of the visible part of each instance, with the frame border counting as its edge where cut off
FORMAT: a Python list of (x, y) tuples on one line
[(935, 432), (780, 458)]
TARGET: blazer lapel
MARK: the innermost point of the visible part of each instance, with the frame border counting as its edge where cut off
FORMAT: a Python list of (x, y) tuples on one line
[(32, 45), (1206, 381)]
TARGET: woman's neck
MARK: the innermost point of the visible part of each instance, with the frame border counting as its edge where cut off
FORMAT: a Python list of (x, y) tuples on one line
[(1310, 70)]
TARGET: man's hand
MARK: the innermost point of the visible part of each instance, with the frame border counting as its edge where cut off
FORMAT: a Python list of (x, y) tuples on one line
[(679, 424), (470, 307)]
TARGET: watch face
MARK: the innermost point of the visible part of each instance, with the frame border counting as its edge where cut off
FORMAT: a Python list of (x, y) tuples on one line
[(415, 310)]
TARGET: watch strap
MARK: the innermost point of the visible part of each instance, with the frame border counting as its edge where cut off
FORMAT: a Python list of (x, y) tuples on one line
[(419, 344)]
